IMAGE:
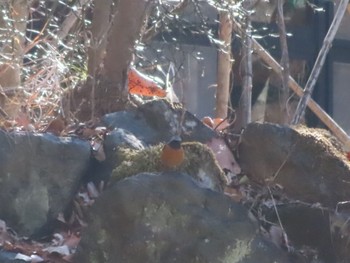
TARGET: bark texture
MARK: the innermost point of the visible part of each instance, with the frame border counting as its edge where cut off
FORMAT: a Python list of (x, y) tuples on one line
[(107, 91), (224, 65)]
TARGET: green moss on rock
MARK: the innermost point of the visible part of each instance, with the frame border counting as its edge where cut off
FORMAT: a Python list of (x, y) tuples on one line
[(200, 163)]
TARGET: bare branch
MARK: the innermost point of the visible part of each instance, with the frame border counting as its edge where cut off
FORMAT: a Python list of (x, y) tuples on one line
[(327, 43), (99, 29), (319, 112), (284, 60), (125, 30), (246, 101), (156, 28), (70, 20)]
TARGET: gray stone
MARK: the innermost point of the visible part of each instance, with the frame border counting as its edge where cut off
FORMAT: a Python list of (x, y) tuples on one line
[(166, 217), (306, 227), (132, 122), (39, 174), (157, 121), (119, 138), (165, 119), (151, 123)]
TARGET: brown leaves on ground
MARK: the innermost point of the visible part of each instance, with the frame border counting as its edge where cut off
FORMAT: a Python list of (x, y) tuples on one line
[(56, 126), (59, 250)]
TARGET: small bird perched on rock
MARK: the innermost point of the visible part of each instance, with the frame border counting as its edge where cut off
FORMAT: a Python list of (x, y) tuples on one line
[(172, 154)]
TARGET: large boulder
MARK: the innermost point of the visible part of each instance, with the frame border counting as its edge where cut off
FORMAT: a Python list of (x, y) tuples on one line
[(305, 162), (167, 217), (150, 124), (316, 231), (166, 120), (157, 121), (39, 175), (133, 123)]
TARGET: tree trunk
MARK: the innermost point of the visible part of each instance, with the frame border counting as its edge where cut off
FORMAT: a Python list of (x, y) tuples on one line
[(99, 31), (13, 41), (125, 31), (108, 91)]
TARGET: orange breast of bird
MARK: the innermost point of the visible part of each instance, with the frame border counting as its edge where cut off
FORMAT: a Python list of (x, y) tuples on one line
[(172, 155), (141, 84)]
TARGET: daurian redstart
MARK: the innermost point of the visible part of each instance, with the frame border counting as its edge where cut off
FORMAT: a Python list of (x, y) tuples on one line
[(172, 154)]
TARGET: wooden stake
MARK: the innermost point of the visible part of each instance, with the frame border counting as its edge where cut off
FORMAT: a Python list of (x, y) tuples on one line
[(224, 65), (246, 100), (284, 61), (319, 112)]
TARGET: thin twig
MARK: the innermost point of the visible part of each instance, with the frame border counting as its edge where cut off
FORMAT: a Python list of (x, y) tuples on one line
[(284, 235), (283, 163), (246, 101), (70, 20), (157, 27)]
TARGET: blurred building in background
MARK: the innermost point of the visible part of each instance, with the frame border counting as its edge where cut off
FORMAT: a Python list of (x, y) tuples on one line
[(195, 58)]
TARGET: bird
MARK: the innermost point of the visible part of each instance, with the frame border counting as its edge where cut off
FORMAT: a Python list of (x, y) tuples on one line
[(172, 154)]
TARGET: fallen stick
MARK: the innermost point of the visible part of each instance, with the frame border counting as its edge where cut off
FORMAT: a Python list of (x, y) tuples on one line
[(314, 107)]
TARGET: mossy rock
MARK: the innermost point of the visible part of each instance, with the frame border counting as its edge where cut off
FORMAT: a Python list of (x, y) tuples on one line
[(199, 163), (308, 163), (321, 140)]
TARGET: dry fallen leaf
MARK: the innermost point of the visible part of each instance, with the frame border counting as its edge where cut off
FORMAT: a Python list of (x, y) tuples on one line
[(56, 126), (233, 193), (208, 121), (223, 155)]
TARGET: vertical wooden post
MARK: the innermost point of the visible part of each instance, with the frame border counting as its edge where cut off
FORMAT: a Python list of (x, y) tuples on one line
[(224, 65), (246, 101), (284, 62)]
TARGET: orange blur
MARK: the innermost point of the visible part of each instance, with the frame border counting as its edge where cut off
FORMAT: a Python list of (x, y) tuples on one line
[(141, 84)]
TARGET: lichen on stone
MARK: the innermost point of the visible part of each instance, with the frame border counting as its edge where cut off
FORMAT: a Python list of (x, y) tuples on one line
[(241, 250)]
